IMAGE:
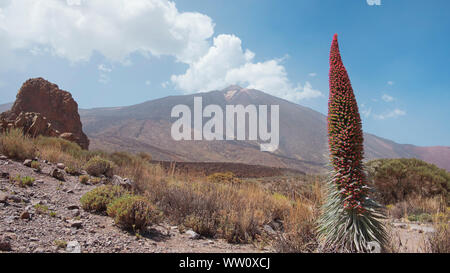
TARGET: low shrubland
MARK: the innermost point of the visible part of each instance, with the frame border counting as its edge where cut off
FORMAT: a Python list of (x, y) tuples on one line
[(281, 210), (99, 198)]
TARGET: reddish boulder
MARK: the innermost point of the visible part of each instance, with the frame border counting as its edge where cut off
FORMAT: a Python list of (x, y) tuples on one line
[(49, 105)]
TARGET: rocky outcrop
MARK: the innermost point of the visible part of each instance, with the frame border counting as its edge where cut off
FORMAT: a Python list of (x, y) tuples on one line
[(41, 108)]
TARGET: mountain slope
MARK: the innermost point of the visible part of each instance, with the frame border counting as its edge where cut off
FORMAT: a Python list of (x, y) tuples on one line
[(303, 136)]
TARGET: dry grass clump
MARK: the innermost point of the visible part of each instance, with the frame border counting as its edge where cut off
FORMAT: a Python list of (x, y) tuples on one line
[(14, 144), (98, 166), (99, 198), (439, 241), (419, 208), (133, 212), (227, 177)]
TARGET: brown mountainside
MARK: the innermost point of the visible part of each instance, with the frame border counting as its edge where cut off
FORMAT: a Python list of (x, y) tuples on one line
[(303, 137)]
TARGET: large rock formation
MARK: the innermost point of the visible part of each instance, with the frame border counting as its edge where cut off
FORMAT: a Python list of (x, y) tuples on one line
[(41, 108)]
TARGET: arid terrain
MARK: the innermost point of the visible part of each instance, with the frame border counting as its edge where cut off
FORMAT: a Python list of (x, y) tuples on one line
[(47, 215)]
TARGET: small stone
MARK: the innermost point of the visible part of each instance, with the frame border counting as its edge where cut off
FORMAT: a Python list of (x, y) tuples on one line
[(4, 197), (25, 215), (5, 244), (4, 175), (72, 207), (2, 157), (76, 224), (192, 234), (27, 162), (73, 247), (58, 174), (75, 213), (269, 230), (60, 166)]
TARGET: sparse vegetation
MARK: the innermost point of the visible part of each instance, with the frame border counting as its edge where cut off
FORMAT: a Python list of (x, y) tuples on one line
[(224, 206), (41, 209), (60, 244), (97, 166), (99, 198), (398, 180), (14, 144), (227, 177), (35, 165), (133, 212), (84, 179), (24, 181)]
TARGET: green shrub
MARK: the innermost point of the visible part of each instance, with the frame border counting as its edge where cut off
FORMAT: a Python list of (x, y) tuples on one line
[(36, 165), (99, 198), (41, 209), (423, 218), (97, 166), (84, 179), (133, 212), (401, 179), (23, 181), (14, 144), (62, 145), (60, 243)]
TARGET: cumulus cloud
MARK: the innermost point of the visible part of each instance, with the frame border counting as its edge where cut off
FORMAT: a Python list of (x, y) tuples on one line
[(227, 63), (313, 74), (392, 114), (390, 83), (75, 29), (387, 98), (104, 71), (373, 2)]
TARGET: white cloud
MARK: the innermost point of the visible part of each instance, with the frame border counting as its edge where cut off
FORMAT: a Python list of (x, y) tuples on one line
[(104, 71), (387, 98), (313, 74), (373, 2), (104, 68), (147, 82), (392, 114), (390, 83), (74, 29), (227, 63)]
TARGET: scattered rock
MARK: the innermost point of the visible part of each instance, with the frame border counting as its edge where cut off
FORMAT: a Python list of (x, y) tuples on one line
[(192, 234), (400, 225), (27, 162), (119, 181), (72, 207), (58, 174), (5, 244), (4, 197), (73, 247), (4, 175), (269, 230), (60, 166), (76, 224), (374, 247), (25, 215), (2, 157)]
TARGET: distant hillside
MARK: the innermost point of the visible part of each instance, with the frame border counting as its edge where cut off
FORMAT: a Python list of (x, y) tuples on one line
[(5, 107), (303, 136)]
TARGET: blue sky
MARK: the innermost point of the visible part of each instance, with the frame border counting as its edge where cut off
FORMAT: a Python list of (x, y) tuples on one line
[(117, 52)]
